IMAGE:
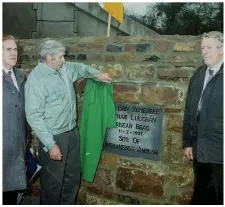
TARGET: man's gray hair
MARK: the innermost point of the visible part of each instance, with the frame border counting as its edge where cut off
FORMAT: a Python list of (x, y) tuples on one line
[(215, 34), (50, 47)]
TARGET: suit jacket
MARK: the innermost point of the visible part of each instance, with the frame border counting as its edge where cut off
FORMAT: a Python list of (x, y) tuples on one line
[(14, 134), (205, 135)]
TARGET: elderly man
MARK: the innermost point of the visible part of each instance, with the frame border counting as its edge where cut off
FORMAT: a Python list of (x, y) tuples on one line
[(203, 122), (50, 105), (14, 123)]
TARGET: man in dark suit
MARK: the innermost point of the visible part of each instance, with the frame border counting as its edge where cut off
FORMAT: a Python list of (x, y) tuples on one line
[(14, 123), (203, 123)]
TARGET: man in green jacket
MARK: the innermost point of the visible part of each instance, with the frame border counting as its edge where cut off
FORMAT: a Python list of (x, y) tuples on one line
[(50, 105)]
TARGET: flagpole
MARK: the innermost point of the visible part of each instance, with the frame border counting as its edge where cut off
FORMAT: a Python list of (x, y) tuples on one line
[(109, 24)]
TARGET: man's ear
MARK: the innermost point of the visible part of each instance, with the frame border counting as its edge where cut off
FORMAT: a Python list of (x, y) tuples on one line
[(49, 58)]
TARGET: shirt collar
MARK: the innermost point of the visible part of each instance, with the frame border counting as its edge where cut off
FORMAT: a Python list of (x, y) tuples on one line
[(7, 70), (217, 67), (46, 69)]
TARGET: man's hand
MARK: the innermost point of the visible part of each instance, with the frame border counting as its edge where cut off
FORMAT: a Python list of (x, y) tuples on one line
[(104, 77), (188, 153), (55, 153)]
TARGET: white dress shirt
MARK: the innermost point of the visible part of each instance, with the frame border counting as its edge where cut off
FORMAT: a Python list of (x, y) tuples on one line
[(13, 77)]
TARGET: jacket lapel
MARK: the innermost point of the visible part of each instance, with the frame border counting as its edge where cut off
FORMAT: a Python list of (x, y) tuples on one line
[(19, 77)]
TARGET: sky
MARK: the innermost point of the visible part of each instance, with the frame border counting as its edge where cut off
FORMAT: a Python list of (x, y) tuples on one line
[(136, 7)]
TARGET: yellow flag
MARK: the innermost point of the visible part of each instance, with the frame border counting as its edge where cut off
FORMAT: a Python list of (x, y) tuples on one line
[(116, 10)]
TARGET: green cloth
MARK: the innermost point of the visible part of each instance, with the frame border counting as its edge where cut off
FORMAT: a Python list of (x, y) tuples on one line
[(98, 114)]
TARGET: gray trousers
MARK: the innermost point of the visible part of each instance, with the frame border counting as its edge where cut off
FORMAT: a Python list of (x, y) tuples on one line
[(60, 180)]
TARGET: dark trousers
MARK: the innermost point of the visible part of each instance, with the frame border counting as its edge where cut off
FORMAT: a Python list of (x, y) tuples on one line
[(208, 188), (60, 180), (10, 198)]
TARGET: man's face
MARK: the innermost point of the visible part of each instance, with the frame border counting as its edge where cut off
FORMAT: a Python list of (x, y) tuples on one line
[(9, 54), (57, 61), (211, 52)]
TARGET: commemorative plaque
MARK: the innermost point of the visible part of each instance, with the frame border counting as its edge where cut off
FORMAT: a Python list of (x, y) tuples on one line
[(138, 132)]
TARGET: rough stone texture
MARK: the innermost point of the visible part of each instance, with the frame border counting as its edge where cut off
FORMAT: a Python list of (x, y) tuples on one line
[(103, 183), (126, 93), (115, 71), (128, 199), (74, 48), (176, 74), (139, 182), (125, 57), (92, 199), (142, 47), (140, 72), (162, 46), (172, 110), (99, 57), (129, 48), (152, 58), (109, 160), (173, 149), (145, 70), (185, 197), (113, 48), (149, 165), (181, 58), (174, 123), (160, 94), (184, 47)]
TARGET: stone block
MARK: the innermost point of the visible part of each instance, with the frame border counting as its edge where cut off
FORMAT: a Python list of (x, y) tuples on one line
[(104, 180), (182, 179), (185, 197), (173, 74), (113, 48), (182, 58), (162, 46), (115, 71), (109, 160), (81, 57), (142, 47), (162, 94), (172, 110), (125, 57), (140, 72), (75, 48), (184, 47), (152, 58), (173, 150), (124, 93), (99, 57), (128, 199), (92, 199), (140, 182), (174, 123), (129, 47)]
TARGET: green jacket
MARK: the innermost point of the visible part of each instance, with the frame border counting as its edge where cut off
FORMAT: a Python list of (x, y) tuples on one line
[(98, 114)]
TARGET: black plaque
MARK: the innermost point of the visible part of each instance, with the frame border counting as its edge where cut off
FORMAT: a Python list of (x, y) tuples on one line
[(138, 132)]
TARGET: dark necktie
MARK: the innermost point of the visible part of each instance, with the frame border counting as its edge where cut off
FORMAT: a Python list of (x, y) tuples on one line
[(9, 77)]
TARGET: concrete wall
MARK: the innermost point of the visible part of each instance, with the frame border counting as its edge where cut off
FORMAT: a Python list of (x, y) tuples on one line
[(41, 20), (148, 71), (19, 19)]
